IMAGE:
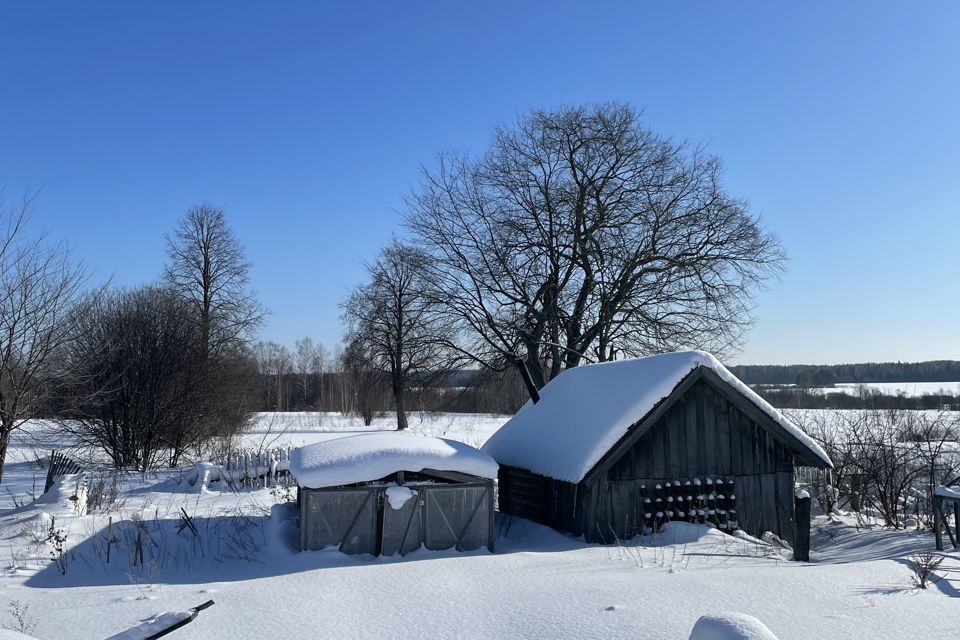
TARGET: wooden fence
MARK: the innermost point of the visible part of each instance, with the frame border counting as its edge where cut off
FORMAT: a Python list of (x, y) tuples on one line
[(60, 464)]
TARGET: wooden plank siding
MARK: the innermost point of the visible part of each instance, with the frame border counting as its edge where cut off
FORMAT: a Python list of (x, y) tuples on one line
[(701, 435)]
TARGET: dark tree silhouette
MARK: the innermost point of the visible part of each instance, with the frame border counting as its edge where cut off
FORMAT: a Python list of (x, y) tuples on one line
[(207, 265), (398, 322), (582, 235)]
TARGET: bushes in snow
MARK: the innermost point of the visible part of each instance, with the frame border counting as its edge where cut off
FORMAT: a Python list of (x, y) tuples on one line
[(144, 391), (924, 567), (886, 462)]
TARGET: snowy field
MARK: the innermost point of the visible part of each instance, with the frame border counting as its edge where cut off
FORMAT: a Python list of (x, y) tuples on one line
[(908, 389), (299, 428), (538, 584)]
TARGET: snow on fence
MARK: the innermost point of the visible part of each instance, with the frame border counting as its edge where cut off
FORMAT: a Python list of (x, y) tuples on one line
[(60, 464), (248, 468)]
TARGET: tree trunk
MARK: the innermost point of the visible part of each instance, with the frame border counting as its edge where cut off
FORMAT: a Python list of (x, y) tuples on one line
[(534, 366), (4, 444), (401, 402)]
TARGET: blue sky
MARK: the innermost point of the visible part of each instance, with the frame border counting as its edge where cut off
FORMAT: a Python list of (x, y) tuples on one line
[(307, 122)]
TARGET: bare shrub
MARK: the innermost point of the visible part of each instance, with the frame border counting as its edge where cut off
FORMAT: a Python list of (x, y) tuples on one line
[(103, 493), (924, 566), (888, 461), (23, 622), (57, 539)]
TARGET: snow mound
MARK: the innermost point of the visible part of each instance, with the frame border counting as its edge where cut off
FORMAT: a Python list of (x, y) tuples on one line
[(10, 634), (372, 456), (585, 411), (687, 532), (398, 496), (150, 627), (730, 626)]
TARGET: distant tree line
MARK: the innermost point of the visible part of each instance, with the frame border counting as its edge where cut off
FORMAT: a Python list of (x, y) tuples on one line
[(804, 398), (346, 382), (825, 375)]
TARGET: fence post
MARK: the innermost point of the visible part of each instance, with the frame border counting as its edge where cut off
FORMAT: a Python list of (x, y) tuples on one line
[(956, 524), (938, 523), (801, 550)]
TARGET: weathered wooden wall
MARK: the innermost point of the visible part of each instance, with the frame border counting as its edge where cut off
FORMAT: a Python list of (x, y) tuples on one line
[(703, 435), (555, 503)]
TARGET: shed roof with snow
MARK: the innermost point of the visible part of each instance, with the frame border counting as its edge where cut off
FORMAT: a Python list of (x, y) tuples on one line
[(368, 457), (587, 411)]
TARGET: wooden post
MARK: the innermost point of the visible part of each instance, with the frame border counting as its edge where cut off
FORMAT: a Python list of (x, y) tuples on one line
[(801, 549), (956, 524), (109, 537), (938, 522)]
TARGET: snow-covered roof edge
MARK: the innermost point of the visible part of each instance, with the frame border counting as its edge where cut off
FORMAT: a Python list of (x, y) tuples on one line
[(368, 457), (552, 444), (948, 492)]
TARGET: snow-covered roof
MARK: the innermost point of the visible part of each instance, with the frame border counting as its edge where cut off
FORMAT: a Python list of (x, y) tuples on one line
[(583, 413), (371, 456), (948, 492)]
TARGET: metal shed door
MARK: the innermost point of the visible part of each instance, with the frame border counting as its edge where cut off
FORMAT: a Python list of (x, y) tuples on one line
[(457, 517), (402, 527), (343, 517)]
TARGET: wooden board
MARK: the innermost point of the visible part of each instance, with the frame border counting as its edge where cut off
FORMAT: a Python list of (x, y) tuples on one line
[(709, 434)]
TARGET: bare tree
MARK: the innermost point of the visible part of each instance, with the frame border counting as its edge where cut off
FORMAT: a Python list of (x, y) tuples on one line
[(207, 265), (138, 386), (309, 360), (898, 454), (39, 286), (362, 380), (275, 365), (582, 235), (337, 371), (399, 322)]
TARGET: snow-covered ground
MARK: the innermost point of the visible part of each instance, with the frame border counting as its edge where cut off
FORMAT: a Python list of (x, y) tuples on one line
[(909, 389), (538, 584), (306, 427)]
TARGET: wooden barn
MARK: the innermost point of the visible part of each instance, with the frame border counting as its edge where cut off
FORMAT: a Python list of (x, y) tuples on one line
[(613, 449), (392, 493)]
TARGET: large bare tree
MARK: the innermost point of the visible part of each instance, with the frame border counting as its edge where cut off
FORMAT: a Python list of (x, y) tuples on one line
[(207, 265), (404, 328), (39, 286), (582, 235)]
